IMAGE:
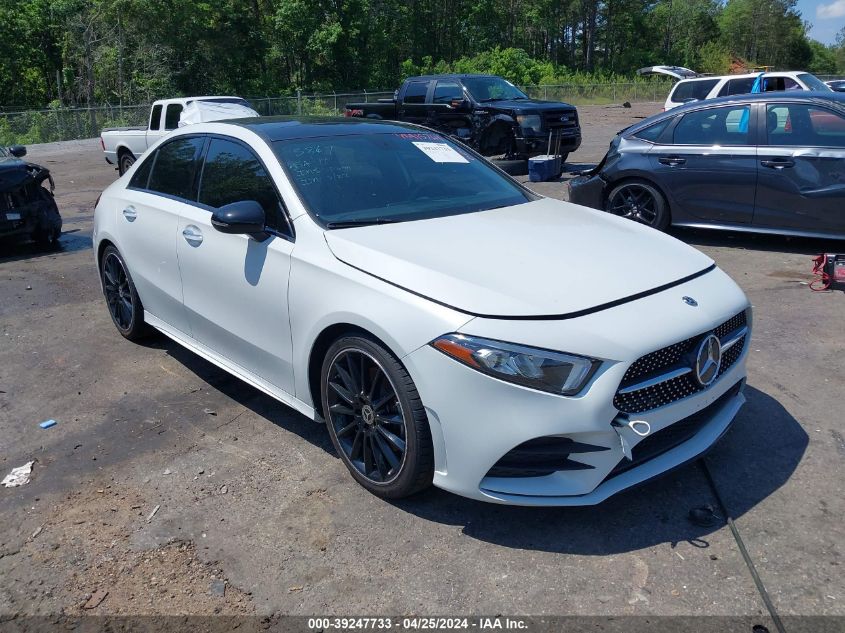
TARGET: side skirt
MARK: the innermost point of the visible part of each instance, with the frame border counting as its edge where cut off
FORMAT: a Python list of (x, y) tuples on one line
[(227, 365)]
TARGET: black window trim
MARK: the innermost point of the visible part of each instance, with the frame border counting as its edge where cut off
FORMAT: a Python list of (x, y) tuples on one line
[(285, 213)]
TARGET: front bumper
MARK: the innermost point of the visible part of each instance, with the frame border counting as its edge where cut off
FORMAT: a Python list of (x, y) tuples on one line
[(588, 191), (531, 144), (476, 420)]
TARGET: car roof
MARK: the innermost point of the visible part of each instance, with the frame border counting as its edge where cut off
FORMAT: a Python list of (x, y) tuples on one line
[(806, 96), (280, 128), (771, 73), (452, 76)]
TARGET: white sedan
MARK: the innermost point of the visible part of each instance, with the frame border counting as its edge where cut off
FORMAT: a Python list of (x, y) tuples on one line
[(448, 325)]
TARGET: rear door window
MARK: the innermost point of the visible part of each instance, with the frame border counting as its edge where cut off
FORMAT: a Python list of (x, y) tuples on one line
[(175, 166), (415, 92), (714, 126), (741, 86), (693, 90), (233, 173)]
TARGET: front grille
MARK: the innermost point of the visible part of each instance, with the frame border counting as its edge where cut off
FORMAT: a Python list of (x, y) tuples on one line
[(553, 121), (676, 356), (542, 456), (673, 435)]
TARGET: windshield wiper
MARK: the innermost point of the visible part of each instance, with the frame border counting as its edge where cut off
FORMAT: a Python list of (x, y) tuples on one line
[(344, 224), (490, 99)]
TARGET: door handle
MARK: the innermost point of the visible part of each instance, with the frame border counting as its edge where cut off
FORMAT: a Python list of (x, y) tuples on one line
[(130, 213), (778, 163), (192, 235), (671, 160)]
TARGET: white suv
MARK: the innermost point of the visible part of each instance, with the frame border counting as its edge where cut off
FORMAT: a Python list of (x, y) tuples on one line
[(700, 88)]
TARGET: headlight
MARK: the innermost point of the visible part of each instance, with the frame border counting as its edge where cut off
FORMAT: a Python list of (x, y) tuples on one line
[(555, 372), (529, 122)]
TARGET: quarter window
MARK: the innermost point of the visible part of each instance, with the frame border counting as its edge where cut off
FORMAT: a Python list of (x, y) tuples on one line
[(171, 118), (797, 124), (653, 132), (232, 173), (415, 92), (142, 175), (714, 126), (447, 91), (693, 90), (175, 166)]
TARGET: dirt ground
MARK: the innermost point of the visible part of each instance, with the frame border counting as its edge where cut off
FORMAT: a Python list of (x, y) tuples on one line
[(169, 487)]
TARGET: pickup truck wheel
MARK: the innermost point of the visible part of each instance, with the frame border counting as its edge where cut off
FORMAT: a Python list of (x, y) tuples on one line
[(125, 161), (513, 167)]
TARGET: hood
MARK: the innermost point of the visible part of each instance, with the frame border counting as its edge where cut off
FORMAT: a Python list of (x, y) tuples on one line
[(540, 259), (13, 173), (526, 104)]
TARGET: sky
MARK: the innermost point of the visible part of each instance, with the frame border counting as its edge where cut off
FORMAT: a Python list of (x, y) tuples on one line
[(826, 16)]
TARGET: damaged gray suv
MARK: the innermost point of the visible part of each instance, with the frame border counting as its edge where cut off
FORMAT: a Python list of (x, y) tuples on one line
[(27, 207)]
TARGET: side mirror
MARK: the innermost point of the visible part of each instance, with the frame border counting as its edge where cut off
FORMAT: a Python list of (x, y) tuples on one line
[(18, 151), (459, 104), (245, 217)]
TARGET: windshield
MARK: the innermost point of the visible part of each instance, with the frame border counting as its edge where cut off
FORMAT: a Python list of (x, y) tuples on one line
[(813, 82), (492, 89), (376, 178)]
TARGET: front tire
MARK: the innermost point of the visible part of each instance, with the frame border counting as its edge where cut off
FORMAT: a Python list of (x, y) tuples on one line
[(124, 304), (640, 201), (375, 418)]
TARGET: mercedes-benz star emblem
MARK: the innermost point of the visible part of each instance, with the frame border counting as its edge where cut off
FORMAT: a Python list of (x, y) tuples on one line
[(689, 301), (708, 359)]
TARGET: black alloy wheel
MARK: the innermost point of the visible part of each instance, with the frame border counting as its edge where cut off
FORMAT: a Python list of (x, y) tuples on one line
[(375, 418), (639, 201), (122, 299)]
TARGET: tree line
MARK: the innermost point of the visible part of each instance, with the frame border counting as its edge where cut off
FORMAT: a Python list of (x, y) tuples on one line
[(87, 52)]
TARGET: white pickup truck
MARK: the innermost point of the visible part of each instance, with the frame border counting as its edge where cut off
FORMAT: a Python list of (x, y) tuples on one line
[(123, 145)]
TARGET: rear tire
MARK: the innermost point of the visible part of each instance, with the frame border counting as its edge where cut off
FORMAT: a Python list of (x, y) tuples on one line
[(125, 161), (375, 418), (641, 201), (124, 304)]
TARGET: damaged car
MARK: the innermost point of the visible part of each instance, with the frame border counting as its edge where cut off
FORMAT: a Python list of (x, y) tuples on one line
[(771, 162), (27, 207)]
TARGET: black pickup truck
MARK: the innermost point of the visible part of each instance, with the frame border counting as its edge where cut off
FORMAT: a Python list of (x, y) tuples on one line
[(486, 112)]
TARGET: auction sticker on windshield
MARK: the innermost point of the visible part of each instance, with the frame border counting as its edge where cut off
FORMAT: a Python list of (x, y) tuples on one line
[(440, 152)]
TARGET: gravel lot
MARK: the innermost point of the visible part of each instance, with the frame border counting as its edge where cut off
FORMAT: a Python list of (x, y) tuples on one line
[(257, 515)]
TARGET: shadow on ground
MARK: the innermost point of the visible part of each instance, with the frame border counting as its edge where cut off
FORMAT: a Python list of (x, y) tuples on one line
[(69, 242), (653, 513)]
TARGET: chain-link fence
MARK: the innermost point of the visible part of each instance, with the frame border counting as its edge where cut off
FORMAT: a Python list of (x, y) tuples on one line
[(63, 124)]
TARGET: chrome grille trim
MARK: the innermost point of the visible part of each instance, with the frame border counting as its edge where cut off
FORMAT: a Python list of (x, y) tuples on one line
[(669, 375), (665, 376)]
